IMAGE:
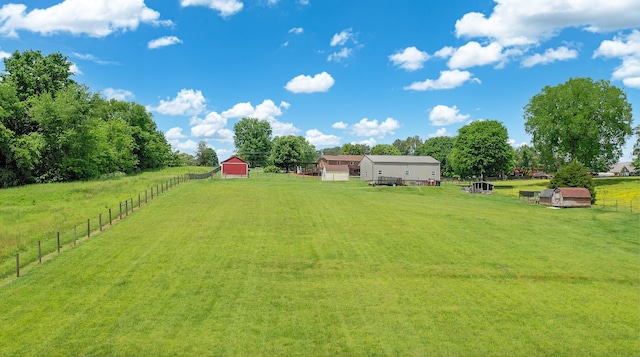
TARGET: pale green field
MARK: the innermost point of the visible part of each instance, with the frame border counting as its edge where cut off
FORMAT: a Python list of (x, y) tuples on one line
[(280, 265)]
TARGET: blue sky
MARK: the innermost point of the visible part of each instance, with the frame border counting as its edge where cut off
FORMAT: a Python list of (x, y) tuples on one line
[(333, 71)]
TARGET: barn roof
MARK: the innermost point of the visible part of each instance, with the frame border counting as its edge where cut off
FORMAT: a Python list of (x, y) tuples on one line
[(547, 192), (337, 168), (234, 160), (574, 192), (402, 159), (355, 158)]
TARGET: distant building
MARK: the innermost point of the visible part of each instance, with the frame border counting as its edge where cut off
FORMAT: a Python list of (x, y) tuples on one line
[(410, 169), (565, 197), (235, 167), (335, 173), (352, 162), (622, 169)]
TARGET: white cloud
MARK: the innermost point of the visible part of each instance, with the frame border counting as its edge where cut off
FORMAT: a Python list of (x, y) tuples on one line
[(225, 7), (321, 82), (211, 127), (296, 30), (627, 48), (340, 125), (268, 111), (442, 115), (75, 69), (96, 18), (117, 94), (345, 52), (474, 54), (183, 146), (516, 22), (317, 138), (163, 42), (341, 38), (304, 2), (366, 127), (512, 142), (92, 58), (4, 55), (409, 59), (174, 134), (371, 142), (447, 80), (187, 102), (440, 132), (549, 56)]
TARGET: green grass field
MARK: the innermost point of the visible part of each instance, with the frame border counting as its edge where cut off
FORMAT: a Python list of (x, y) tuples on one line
[(281, 265), (33, 213)]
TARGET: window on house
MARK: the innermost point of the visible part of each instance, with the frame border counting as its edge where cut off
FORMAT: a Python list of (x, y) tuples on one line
[(406, 172), (379, 172), (433, 173)]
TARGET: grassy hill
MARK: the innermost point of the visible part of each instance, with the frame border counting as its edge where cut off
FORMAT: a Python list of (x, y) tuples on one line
[(281, 265)]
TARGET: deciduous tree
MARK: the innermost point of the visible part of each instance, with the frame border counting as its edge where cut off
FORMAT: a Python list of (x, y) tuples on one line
[(481, 149), (252, 139), (439, 148), (409, 145), (385, 149), (289, 150), (579, 120), (206, 156), (354, 149)]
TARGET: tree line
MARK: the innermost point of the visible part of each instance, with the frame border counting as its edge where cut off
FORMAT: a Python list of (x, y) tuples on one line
[(581, 121), (54, 129)]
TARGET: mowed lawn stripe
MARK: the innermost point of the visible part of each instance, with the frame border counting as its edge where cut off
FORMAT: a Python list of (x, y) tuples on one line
[(288, 266)]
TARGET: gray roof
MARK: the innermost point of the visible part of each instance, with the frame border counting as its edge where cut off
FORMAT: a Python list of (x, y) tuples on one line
[(617, 168), (547, 192), (402, 159)]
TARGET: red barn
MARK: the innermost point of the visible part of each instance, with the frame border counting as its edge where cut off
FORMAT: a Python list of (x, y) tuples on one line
[(235, 167)]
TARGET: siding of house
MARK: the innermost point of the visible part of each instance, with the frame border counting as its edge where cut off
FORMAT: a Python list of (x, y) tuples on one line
[(409, 168), (352, 161), (335, 173)]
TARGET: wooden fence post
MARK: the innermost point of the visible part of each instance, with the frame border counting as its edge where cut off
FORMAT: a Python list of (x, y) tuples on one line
[(88, 228), (75, 233), (138, 200), (126, 207), (120, 210), (100, 221), (145, 197), (39, 253), (58, 242), (109, 216)]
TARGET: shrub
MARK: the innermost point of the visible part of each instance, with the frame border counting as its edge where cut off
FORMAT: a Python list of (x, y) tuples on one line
[(574, 174), (271, 169)]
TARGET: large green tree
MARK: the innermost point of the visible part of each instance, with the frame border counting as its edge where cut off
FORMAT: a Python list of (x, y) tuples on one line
[(290, 150), (206, 156), (354, 149), (526, 158), (439, 148), (252, 138), (385, 149), (579, 120), (481, 149), (409, 145), (33, 73)]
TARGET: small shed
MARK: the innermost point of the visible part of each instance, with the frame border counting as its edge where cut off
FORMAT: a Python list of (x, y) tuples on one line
[(565, 197), (335, 173), (481, 187), (235, 167)]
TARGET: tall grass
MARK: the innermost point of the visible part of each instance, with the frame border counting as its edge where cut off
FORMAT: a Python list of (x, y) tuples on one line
[(33, 213), (279, 265)]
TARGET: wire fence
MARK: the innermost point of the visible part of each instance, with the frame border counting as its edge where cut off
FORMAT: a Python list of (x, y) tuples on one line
[(71, 236)]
